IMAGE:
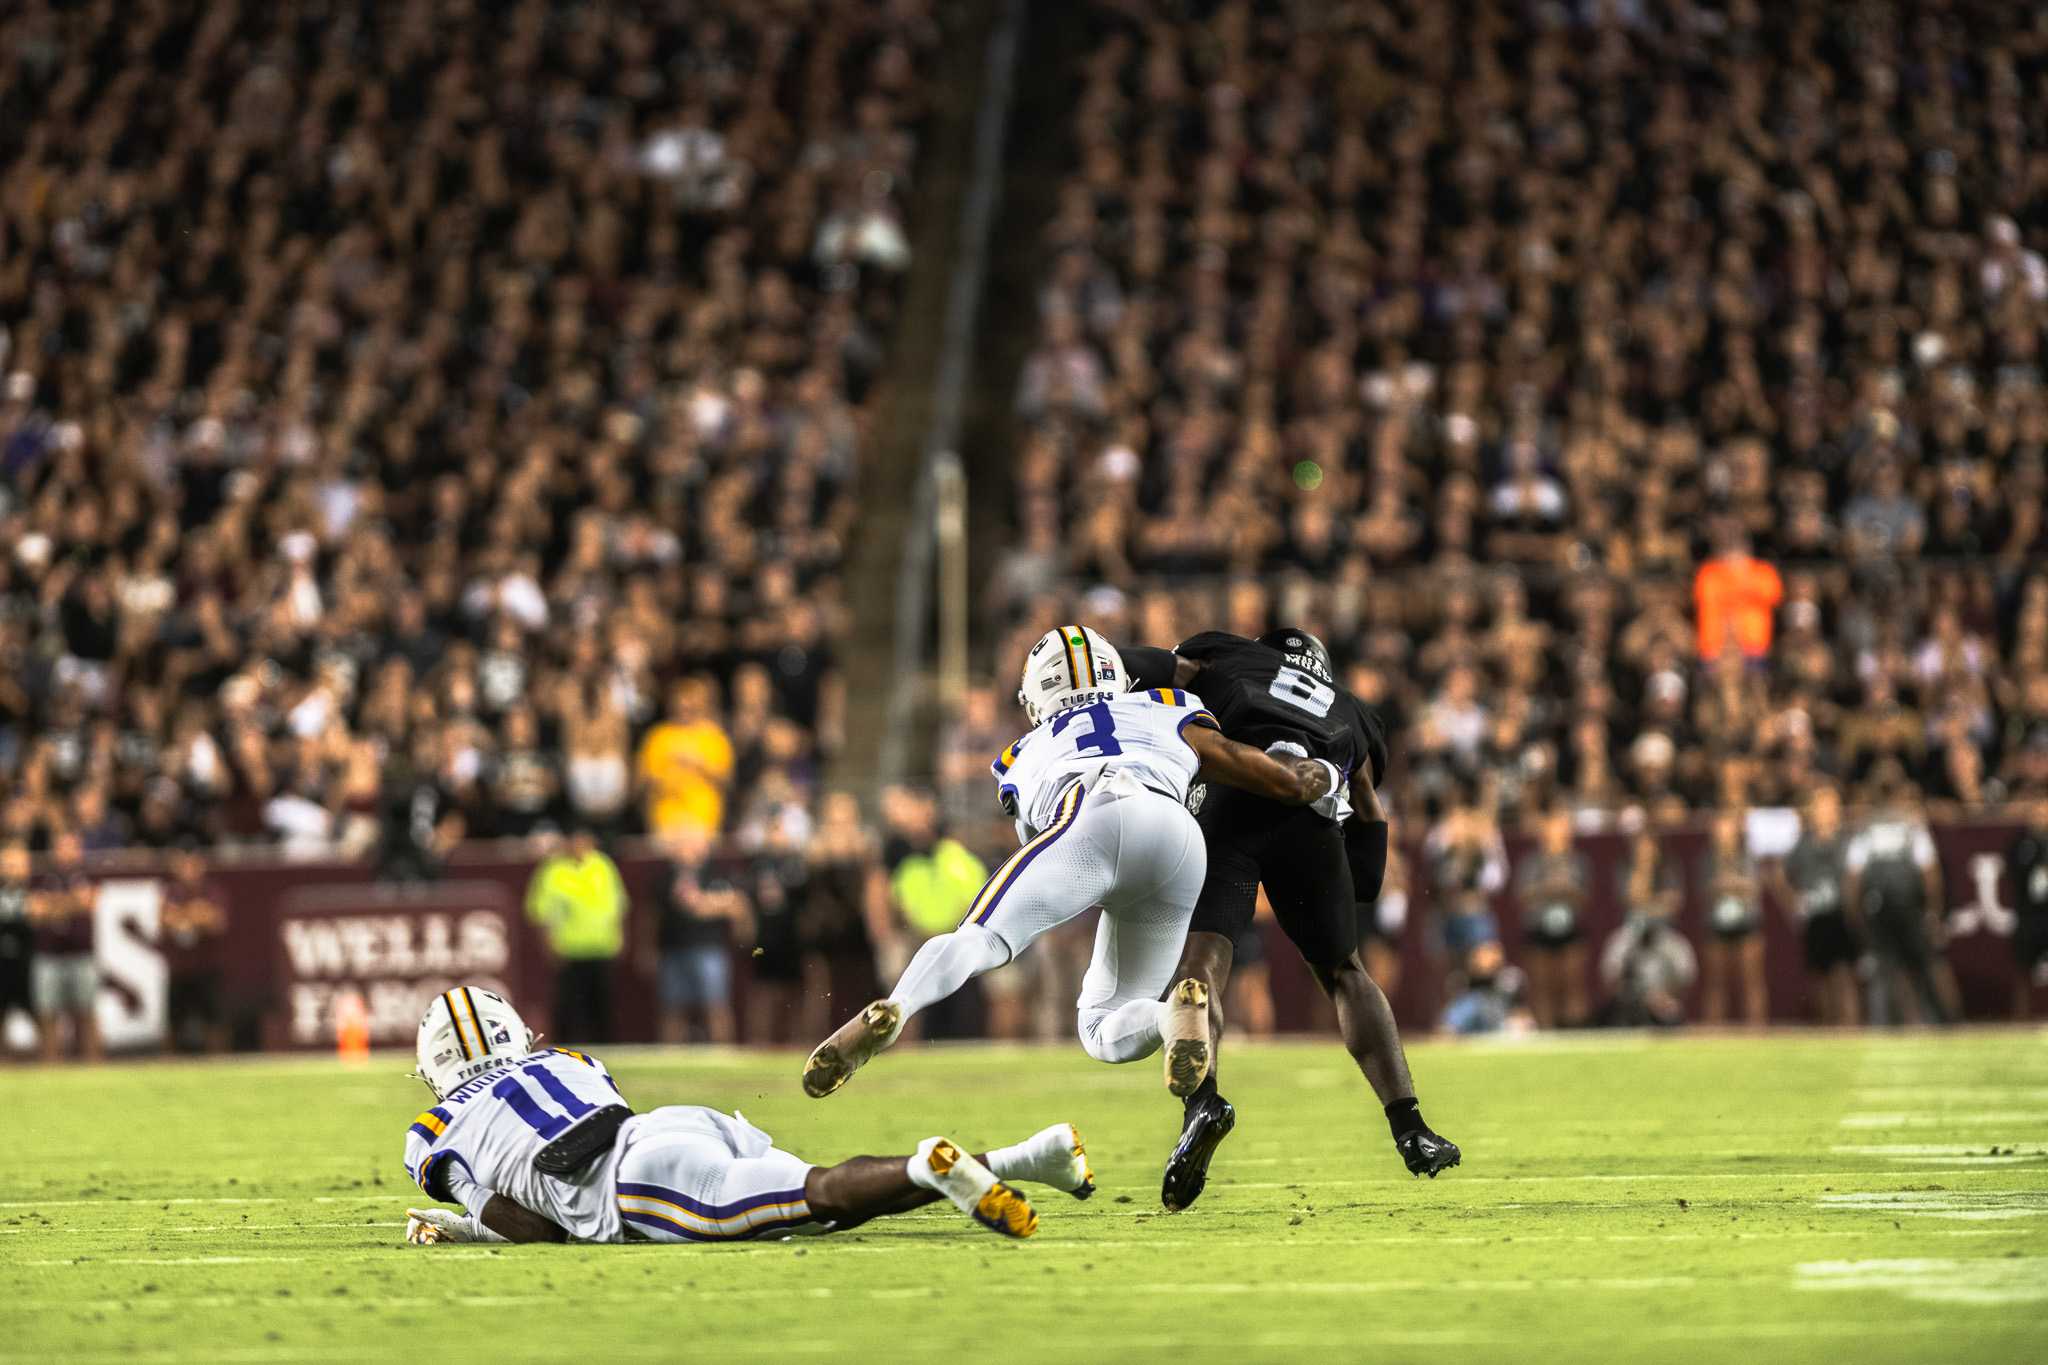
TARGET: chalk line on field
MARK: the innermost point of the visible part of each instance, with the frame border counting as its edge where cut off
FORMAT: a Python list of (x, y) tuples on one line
[(1913, 1149), (172, 1260), (1803, 1329), (1934, 1096), (1987, 1282), (1964, 1205), (1935, 1118)]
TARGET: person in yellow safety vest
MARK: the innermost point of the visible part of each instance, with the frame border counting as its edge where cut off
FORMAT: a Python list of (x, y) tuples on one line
[(579, 899), (933, 877)]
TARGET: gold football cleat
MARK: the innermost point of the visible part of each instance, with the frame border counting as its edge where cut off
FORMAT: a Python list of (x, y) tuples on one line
[(1004, 1210), (1187, 1037), (1085, 1172), (851, 1047)]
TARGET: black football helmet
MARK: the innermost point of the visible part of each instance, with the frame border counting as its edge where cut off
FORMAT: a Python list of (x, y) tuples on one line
[(1296, 641)]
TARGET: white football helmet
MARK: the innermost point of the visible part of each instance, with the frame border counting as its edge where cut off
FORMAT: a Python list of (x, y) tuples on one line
[(465, 1032), (1068, 667)]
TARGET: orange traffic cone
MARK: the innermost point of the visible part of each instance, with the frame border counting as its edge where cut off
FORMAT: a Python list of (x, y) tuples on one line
[(351, 1028)]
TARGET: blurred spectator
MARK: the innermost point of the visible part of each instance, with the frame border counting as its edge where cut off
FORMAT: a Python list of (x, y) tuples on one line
[(699, 914), (579, 900), (17, 936), (1385, 925), (1895, 901), (1809, 883), (2027, 862), (777, 881), (596, 775), (67, 977), (1551, 887), (686, 763), (1468, 864), (192, 924), (1731, 888), (846, 926), (421, 823), (1647, 967), (1735, 598), (933, 878), (1490, 1000)]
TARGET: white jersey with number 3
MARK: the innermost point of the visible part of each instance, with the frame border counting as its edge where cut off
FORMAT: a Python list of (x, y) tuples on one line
[(494, 1126), (1141, 733)]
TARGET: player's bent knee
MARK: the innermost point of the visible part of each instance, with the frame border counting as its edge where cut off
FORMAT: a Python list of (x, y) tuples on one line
[(1105, 1044)]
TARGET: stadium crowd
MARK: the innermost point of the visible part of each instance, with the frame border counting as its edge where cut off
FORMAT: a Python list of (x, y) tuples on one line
[(423, 423), (1645, 399), (1658, 423), (430, 424)]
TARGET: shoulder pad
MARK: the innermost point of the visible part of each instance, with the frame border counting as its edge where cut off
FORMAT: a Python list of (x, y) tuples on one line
[(1007, 757), (1173, 696), (1209, 642), (431, 1124)]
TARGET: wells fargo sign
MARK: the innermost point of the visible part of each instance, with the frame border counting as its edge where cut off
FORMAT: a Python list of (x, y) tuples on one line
[(395, 947)]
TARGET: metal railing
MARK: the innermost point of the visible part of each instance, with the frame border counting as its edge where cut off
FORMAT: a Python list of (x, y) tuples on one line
[(941, 469)]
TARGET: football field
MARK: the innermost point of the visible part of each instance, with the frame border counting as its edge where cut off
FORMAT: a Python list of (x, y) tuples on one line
[(1869, 1197)]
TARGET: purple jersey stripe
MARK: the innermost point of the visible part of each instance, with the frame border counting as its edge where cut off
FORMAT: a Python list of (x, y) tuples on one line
[(704, 1210)]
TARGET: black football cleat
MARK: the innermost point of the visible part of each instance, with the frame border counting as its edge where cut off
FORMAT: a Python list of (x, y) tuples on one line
[(1426, 1153), (1209, 1121)]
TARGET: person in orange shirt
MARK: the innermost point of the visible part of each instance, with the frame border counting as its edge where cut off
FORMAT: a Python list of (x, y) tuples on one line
[(685, 762), (1735, 598)]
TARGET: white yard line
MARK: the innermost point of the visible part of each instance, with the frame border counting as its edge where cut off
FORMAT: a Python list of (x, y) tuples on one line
[(1932, 1097), (1969, 1149), (1984, 1282), (171, 1260), (1938, 1118)]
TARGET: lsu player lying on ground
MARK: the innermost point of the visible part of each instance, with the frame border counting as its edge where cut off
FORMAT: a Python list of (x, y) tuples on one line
[(539, 1146), (1097, 790)]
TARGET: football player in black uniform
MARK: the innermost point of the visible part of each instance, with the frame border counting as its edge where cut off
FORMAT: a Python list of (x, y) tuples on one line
[(1279, 693)]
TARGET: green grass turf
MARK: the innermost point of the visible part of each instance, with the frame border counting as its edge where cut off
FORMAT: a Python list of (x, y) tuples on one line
[(1778, 1198)]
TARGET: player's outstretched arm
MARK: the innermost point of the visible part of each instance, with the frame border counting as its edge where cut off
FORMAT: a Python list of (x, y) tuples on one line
[(517, 1223), (501, 1220), (1296, 781)]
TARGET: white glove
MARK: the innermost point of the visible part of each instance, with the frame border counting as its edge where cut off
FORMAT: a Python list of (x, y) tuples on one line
[(1333, 805), (424, 1227)]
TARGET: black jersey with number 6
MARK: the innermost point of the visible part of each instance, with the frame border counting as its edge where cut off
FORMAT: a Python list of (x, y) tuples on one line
[(1261, 695)]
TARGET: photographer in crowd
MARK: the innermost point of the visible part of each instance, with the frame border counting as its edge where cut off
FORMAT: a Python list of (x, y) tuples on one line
[(1646, 965), (1894, 896), (1809, 883)]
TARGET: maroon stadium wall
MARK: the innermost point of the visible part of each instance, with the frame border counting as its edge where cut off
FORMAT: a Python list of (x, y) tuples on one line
[(1978, 902), (305, 932)]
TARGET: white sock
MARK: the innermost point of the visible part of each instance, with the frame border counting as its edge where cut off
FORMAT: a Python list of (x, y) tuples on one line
[(919, 1166), (1124, 1034), (1015, 1162), (945, 964), (964, 1183)]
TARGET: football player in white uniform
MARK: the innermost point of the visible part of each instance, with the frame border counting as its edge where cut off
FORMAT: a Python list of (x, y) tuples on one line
[(539, 1146), (1097, 790)]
